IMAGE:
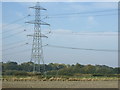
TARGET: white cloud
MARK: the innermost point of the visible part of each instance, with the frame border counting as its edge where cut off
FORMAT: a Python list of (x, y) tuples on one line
[(70, 32), (98, 40), (64, 37)]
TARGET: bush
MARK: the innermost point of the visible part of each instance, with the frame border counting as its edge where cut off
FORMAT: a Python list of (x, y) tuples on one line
[(97, 75), (83, 75), (15, 72), (20, 73), (9, 72)]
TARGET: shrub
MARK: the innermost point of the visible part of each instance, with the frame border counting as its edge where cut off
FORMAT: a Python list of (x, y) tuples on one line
[(20, 73)]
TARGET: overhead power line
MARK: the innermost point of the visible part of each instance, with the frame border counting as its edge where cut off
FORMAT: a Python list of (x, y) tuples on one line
[(13, 29), (17, 42), (88, 12), (13, 34), (84, 13), (13, 47), (17, 52), (104, 50), (4, 26), (87, 34), (83, 16)]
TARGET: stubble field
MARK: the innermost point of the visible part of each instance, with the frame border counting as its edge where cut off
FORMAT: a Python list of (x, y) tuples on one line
[(60, 84)]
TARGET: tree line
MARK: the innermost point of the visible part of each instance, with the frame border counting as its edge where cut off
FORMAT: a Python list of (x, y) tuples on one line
[(13, 68)]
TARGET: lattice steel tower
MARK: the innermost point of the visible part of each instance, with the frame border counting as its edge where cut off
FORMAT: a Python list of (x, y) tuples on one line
[(37, 50)]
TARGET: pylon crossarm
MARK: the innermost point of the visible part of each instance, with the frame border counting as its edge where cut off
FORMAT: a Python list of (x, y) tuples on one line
[(38, 36), (38, 7), (41, 23)]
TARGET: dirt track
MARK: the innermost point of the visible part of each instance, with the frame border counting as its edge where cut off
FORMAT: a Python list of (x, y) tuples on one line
[(60, 84)]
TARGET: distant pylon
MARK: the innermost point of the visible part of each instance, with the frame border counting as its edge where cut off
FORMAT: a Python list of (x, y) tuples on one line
[(37, 50)]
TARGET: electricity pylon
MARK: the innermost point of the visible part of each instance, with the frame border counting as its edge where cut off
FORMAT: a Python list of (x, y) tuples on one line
[(37, 50)]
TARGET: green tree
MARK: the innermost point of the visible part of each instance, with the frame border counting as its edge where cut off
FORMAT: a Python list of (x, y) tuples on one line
[(27, 66), (10, 66), (88, 69)]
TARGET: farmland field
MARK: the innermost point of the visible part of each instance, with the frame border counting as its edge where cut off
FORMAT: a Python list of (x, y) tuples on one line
[(60, 84)]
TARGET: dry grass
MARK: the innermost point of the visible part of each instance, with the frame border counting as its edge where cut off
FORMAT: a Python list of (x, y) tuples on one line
[(59, 82), (59, 79)]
